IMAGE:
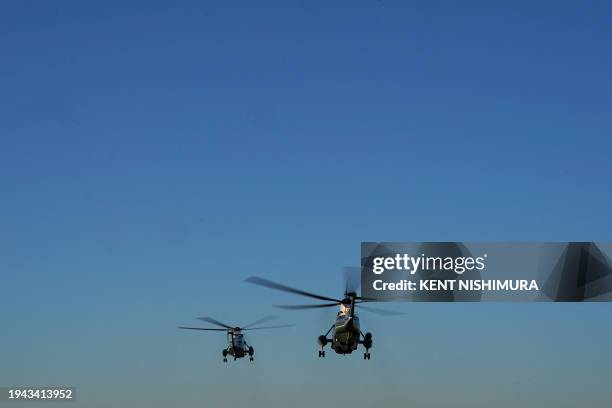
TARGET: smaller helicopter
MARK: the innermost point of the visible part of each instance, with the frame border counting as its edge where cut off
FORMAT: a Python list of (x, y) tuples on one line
[(237, 345)]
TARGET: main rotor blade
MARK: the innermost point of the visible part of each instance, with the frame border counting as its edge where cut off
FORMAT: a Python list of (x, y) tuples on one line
[(381, 312), (352, 279), (362, 299), (262, 320), (273, 285), (215, 322), (298, 307), (270, 327), (199, 328)]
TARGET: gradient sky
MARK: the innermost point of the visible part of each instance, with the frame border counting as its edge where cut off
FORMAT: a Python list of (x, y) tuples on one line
[(154, 155)]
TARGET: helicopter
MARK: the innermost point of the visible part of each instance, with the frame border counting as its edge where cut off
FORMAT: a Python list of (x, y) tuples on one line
[(236, 343), (346, 334)]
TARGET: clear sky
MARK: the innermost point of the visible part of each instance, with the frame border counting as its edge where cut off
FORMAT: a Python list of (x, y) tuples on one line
[(153, 155)]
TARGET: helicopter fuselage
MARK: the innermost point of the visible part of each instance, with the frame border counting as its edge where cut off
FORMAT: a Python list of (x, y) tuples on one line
[(345, 334), (237, 346)]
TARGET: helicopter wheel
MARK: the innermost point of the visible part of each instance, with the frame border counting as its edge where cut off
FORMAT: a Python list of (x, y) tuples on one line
[(224, 360), (366, 356), (251, 359), (321, 353)]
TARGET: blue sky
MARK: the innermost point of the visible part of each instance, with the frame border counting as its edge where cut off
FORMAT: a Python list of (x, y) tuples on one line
[(153, 155)]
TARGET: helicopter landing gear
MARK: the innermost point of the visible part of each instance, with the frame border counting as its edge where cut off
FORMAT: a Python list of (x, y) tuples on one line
[(367, 343), (323, 342), (251, 352), (224, 356)]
